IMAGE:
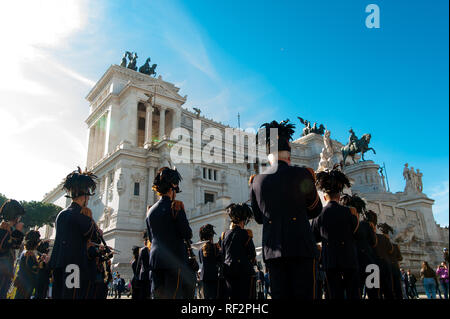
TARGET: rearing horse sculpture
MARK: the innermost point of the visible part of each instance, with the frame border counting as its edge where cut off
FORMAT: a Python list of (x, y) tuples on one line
[(359, 146)]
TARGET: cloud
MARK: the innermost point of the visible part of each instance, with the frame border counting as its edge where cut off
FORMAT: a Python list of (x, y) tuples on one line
[(42, 108)]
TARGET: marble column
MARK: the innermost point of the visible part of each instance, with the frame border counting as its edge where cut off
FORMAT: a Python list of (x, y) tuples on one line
[(162, 122), (107, 132), (148, 125), (91, 146)]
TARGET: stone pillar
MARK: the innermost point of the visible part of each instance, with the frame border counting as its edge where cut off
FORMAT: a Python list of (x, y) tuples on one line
[(162, 122), (107, 132), (91, 146), (148, 125), (176, 119)]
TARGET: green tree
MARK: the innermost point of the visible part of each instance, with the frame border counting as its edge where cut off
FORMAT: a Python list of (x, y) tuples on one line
[(36, 213), (39, 214)]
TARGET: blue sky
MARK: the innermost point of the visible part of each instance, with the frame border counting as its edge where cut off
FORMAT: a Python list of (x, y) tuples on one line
[(264, 59)]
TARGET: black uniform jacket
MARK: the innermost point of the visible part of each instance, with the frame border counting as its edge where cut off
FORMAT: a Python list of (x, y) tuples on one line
[(283, 199), (335, 227), (210, 257), (167, 231), (366, 239), (143, 265), (396, 255), (384, 248), (238, 252), (9, 240), (73, 229)]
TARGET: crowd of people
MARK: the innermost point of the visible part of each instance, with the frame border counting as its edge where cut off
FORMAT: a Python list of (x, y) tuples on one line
[(310, 250)]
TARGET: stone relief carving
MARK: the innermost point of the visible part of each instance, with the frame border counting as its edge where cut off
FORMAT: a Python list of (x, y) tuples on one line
[(326, 155), (121, 184)]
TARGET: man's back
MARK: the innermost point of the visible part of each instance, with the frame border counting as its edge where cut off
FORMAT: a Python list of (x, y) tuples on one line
[(167, 231), (283, 199), (72, 231)]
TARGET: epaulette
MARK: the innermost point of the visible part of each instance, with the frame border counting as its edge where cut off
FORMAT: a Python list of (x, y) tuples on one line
[(354, 212), (250, 180), (250, 233), (222, 236)]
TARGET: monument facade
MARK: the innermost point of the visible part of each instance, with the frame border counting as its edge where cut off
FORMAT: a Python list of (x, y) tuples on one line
[(132, 115)]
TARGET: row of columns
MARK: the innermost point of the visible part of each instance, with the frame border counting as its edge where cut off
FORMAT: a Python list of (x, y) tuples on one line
[(162, 122), (99, 138)]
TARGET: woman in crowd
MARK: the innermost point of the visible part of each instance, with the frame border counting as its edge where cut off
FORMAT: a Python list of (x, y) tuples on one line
[(335, 228), (135, 280), (209, 257), (239, 253), (442, 274), (44, 273), (11, 237), (429, 280)]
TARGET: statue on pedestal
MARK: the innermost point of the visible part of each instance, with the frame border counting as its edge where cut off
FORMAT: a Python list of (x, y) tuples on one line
[(413, 180), (326, 154), (146, 69), (133, 61), (124, 59), (314, 129), (356, 146)]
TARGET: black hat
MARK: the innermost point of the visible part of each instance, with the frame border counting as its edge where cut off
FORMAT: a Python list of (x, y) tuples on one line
[(79, 183), (206, 232), (165, 179), (239, 213), (11, 209), (32, 239), (332, 181), (354, 201), (385, 228), (285, 132)]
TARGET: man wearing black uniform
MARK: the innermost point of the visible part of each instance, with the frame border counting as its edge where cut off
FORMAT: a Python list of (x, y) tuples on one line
[(335, 227), (167, 228), (143, 269), (384, 249), (239, 254), (283, 199), (396, 257), (73, 230), (366, 239), (11, 237), (209, 257)]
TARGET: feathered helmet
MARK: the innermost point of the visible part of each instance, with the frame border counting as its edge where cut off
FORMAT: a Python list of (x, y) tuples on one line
[(79, 183), (285, 132), (11, 209), (206, 232), (370, 216), (332, 181), (239, 213), (43, 247), (385, 228), (354, 201), (165, 179), (32, 239)]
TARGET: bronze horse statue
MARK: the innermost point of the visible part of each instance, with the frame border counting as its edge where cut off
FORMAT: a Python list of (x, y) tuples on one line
[(359, 146)]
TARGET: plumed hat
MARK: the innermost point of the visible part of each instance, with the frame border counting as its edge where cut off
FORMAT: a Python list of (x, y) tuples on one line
[(284, 135), (79, 183)]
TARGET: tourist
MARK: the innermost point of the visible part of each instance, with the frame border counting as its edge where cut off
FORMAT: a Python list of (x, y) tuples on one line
[(442, 274), (335, 228), (120, 286), (115, 283), (239, 253), (383, 250), (283, 199), (27, 275), (267, 292), (11, 236), (412, 284), (428, 276), (73, 230), (210, 257), (405, 283), (167, 228)]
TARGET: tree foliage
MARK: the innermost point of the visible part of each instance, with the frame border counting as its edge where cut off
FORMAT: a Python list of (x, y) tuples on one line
[(36, 213)]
